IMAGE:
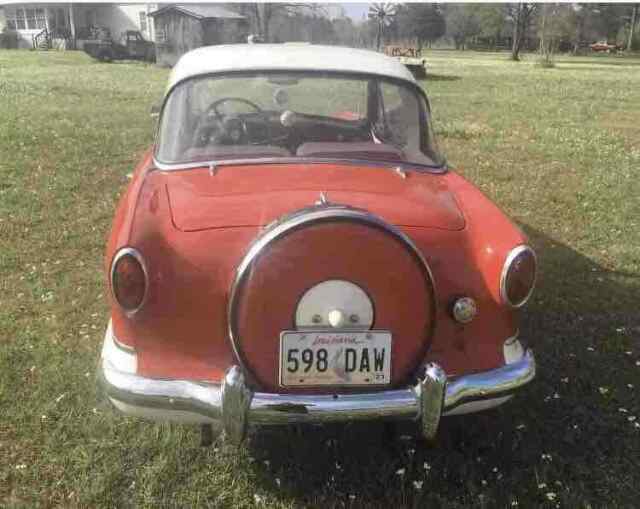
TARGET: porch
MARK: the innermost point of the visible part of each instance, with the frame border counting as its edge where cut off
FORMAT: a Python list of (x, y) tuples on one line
[(68, 26)]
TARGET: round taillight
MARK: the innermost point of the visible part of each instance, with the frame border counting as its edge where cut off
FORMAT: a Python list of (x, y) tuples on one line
[(129, 279), (518, 276)]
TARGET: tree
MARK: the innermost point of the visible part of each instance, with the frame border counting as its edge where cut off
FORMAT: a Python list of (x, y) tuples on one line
[(462, 23), (632, 26), (423, 22), (493, 21), (521, 15), (263, 14), (551, 28)]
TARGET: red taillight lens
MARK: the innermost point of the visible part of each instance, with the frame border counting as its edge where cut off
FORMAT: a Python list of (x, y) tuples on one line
[(518, 276), (128, 279)]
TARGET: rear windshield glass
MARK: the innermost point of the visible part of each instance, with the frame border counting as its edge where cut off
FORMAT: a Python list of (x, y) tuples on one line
[(271, 115)]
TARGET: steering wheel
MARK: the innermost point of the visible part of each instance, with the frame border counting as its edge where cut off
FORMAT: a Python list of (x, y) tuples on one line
[(216, 127), (213, 107)]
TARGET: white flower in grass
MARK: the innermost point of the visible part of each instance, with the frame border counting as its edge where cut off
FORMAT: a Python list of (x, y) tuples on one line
[(542, 485), (565, 380), (631, 418), (636, 425), (418, 484), (44, 417), (514, 503), (352, 497), (22, 466), (628, 352), (400, 472), (258, 499), (551, 496), (603, 390), (426, 466), (278, 482), (547, 457), (637, 363), (556, 395), (591, 349), (484, 482), (266, 463), (630, 386), (623, 410), (521, 427)]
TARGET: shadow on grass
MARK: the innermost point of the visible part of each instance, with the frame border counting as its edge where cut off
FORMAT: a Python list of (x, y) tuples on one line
[(607, 61), (440, 77), (579, 326)]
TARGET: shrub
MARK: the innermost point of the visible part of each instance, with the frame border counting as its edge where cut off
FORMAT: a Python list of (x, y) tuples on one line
[(8, 39)]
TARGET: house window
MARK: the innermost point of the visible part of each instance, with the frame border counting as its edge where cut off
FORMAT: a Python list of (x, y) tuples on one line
[(19, 20), (61, 18), (26, 19), (41, 21), (143, 21), (31, 19)]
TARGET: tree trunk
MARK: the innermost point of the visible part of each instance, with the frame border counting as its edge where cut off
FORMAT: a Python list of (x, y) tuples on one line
[(517, 36), (634, 20), (263, 14)]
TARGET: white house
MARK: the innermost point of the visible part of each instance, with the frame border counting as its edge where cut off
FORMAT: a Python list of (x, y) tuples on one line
[(67, 25)]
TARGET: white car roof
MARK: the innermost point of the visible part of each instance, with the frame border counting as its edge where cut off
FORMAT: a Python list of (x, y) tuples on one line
[(287, 57)]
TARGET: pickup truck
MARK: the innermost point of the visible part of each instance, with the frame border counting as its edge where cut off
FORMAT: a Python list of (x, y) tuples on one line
[(131, 46)]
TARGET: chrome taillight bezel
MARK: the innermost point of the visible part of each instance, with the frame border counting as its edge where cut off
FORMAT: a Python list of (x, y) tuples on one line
[(121, 253), (513, 254)]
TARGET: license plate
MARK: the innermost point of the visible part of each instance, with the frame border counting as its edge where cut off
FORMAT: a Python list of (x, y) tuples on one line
[(335, 358)]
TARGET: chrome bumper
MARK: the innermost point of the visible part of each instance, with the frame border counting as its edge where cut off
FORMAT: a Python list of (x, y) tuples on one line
[(236, 406)]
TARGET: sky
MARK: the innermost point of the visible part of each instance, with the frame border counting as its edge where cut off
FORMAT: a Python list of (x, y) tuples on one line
[(356, 10)]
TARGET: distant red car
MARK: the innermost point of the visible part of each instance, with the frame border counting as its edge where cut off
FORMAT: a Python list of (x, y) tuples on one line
[(604, 46), (293, 249)]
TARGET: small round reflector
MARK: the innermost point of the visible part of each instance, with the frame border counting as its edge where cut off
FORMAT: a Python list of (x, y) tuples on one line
[(464, 309), (129, 279), (518, 276)]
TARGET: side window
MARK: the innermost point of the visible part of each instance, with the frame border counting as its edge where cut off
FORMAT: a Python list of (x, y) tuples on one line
[(398, 118)]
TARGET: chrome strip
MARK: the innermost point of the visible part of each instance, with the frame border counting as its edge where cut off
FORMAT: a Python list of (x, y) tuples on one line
[(490, 384), (505, 269), (295, 220), (136, 254), (216, 163)]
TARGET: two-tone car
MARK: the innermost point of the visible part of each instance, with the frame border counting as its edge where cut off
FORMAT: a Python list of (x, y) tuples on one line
[(294, 249)]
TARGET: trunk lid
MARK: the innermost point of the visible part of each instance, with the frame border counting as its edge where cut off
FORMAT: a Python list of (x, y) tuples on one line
[(255, 195)]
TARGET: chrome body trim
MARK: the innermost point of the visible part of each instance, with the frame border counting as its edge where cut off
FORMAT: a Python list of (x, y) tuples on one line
[(217, 163), (296, 220), (234, 404), (130, 251), (505, 270)]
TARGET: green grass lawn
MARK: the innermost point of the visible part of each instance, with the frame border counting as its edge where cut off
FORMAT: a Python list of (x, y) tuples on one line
[(558, 149)]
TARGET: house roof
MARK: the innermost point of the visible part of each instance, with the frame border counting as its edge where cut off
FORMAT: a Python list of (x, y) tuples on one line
[(200, 11), (285, 57)]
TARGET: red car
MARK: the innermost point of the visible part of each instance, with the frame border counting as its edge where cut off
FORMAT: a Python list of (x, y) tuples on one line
[(604, 46), (293, 249)]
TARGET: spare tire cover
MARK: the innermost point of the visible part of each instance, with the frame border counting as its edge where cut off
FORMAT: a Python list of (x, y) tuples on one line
[(321, 244)]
